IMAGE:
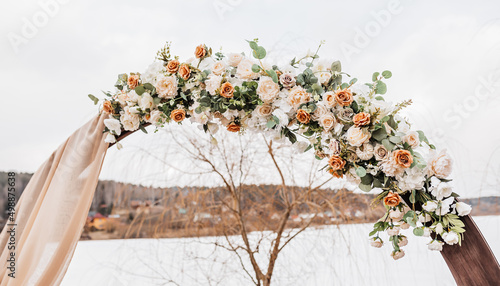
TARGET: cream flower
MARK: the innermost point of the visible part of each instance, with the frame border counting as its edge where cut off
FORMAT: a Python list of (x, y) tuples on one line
[(439, 164), (297, 96), (398, 254), (396, 214), (443, 190), (219, 68), (327, 121), (244, 70), (264, 110), (166, 86), (324, 77), (450, 237), (357, 136), (376, 242), (380, 152), (110, 138), (321, 110), (146, 101), (329, 99), (130, 121), (393, 231), (462, 208), (435, 245), (267, 90), (234, 59), (213, 83), (156, 117), (430, 206), (365, 151), (113, 125), (412, 139)]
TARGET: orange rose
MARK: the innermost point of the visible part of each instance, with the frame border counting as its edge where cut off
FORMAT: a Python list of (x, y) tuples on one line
[(200, 52), (178, 115), (184, 71), (173, 66), (336, 162), (107, 108), (233, 127), (402, 158), (303, 116), (133, 81), (361, 119), (392, 199), (226, 90), (344, 97)]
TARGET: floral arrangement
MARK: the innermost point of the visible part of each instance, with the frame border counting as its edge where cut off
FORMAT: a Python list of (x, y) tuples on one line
[(359, 134)]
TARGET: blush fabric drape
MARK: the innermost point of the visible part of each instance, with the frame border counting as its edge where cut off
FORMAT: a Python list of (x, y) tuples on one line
[(52, 210)]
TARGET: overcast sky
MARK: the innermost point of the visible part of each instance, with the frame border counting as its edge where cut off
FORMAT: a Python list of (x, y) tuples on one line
[(445, 55)]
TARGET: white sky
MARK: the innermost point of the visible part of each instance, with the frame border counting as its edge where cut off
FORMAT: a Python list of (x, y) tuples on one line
[(442, 55)]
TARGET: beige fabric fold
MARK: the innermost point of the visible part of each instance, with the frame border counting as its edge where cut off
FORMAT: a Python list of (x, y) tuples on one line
[(52, 210)]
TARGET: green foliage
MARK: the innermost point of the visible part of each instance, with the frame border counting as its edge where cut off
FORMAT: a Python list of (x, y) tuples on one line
[(94, 99)]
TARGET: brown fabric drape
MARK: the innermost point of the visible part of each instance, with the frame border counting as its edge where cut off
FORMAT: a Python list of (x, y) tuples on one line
[(53, 208)]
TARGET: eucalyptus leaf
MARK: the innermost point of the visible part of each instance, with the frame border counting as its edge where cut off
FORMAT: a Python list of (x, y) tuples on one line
[(387, 144), (140, 90), (94, 99), (365, 188), (387, 74), (360, 171), (336, 66), (418, 231), (381, 87)]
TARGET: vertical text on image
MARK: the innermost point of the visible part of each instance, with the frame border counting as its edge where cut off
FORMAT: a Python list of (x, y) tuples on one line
[(11, 224)]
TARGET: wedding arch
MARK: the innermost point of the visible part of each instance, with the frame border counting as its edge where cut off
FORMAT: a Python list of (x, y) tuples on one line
[(359, 135)]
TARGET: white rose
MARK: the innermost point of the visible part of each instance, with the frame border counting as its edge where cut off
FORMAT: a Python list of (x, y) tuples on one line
[(412, 138), (445, 206), (439, 164), (110, 138), (450, 237), (463, 209), (327, 121), (146, 101), (396, 214), (435, 245), (133, 97), (267, 90), (357, 136), (134, 110), (113, 125), (443, 190), (166, 86), (423, 218), (244, 70), (151, 73), (282, 117), (156, 118), (213, 84), (398, 254), (393, 231), (234, 59), (430, 206), (321, 110), (324, 77), (130, 121), (219, 68)]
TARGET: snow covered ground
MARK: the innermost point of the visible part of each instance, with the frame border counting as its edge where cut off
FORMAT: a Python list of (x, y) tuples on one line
[(327, 256)]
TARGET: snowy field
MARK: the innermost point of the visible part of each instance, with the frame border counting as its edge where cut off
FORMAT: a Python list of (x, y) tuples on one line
[(328, 256)]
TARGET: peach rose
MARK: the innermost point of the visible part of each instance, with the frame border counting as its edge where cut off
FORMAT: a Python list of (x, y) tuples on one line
[(184, 71), (392, 199), (234, 59), (412, 139), (297, 96), (344, 97), (219, 68), (357, 136), (336, 162), (200, 52), (226, 90), (402, 158), (264, 110), (267, 89), (233, 127), (329, 99), (361, 119), (133, 81), (173, 66), (303, 116), (440, 164), (327, 121), (107, 108), (178, 115)]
